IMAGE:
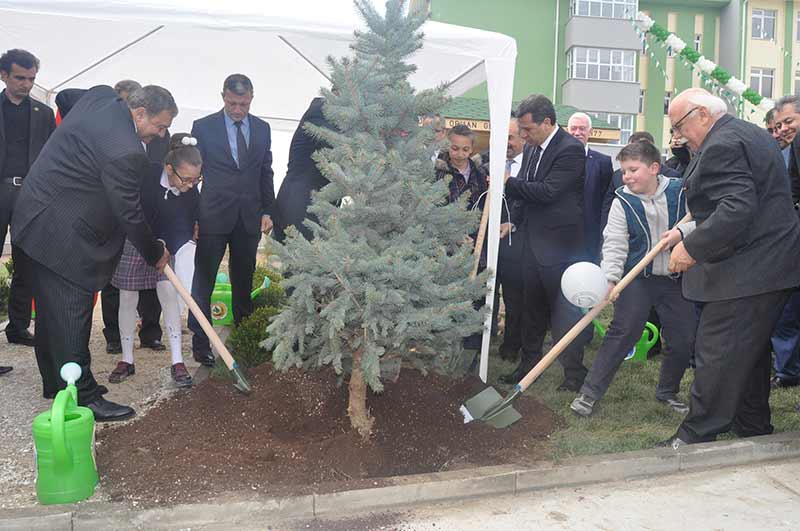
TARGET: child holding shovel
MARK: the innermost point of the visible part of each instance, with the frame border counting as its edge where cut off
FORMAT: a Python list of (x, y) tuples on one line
[(170, 201), (644, 208)]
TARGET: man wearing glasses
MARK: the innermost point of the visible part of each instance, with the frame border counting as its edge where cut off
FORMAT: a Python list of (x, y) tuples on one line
[(739, 262)]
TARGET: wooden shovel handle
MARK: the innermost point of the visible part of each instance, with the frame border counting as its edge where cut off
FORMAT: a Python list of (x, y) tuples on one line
[(219, 346), (587, 319), (480, 238)]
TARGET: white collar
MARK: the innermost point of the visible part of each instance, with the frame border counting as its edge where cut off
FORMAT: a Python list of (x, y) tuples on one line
[(587, 150), (518, 158), (546, 142), (165, 184)]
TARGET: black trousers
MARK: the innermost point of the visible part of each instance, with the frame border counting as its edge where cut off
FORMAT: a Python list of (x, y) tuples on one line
[(20, 293), (545, 306), (242, 264), (149, 310), (63, 327), (510, 278), (732, 357)]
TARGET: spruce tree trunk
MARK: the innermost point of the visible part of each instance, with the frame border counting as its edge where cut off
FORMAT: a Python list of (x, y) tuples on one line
[(360, 418)]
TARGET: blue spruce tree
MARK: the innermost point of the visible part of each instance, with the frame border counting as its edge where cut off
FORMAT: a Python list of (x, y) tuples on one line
[(387, 271)]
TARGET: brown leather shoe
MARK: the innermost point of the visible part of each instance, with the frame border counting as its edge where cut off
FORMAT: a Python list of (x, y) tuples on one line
[(122, 372), (181, 376)]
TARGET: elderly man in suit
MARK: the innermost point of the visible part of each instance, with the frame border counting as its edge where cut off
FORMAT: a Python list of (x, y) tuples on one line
[(739, 262), (25, 126), (79, 203), (235, 203), (550, 190), (598, 176)]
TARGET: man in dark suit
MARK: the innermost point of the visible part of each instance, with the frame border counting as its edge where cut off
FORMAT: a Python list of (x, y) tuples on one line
[(598, 176), (148, 306), (25, 126), (79, 203), (739, 262), (302, 175), (550, 189), (787, 120), (235, 202)]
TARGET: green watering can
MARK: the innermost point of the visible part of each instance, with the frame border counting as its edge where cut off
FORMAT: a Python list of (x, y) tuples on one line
[(64, 446), (222, 300), (642, 347)]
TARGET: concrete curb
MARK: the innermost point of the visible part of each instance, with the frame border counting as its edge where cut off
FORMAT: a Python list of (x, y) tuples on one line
[(410, 490)]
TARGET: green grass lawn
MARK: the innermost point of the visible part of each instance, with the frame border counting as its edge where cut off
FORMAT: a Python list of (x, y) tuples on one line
[(628, 417)]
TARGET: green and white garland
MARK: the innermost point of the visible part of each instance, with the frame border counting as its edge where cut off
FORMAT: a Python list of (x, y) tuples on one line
[(706, 67)]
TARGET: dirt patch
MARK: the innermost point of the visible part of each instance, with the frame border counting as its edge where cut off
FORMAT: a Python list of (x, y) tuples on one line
[(292, 436)]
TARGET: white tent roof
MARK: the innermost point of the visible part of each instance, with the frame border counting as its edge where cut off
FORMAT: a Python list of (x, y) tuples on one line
[(190, 46)]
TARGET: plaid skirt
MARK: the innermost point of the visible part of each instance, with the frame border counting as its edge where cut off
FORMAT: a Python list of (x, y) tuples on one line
[(133, 273)]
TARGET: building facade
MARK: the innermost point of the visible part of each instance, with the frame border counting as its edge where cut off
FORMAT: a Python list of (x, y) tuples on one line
[(587, 53)]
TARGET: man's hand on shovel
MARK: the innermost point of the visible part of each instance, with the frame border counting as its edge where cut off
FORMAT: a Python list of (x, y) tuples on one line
[(679, 260)]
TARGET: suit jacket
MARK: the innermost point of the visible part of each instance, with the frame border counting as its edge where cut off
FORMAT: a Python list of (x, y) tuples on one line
[(230, 192), (598, 176), (43, 123), (747, 240), (551, 203), (616, 182), (81, 197), (302, 175)]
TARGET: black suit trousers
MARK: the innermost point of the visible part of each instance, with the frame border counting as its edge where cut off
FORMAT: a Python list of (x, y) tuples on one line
[(545, 307), (63, 327), (731, 377), (149, 310), (509, 276), (242, 264), (19, 297)]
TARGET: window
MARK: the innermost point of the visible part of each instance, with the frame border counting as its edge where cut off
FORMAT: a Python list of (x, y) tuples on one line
[(622, 121), (604, 8), (602, 64), (761, 80), (667, 100), (798, 26), (797, 82), (641, 101), (763, 24), (698, 42)]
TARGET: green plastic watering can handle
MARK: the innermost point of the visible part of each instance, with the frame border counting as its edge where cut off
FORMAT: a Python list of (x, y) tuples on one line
[(264, 285), (653, 329), (64, 400)]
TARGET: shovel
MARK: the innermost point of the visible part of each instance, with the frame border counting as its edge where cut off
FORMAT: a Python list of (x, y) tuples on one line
[(488, 406), (239, 381)]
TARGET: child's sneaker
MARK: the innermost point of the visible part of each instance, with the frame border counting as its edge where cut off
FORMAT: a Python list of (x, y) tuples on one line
[(181, 376), (583, 405), (675, 404)]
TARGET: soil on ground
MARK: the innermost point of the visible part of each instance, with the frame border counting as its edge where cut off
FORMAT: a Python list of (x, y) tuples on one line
[(292, 436)]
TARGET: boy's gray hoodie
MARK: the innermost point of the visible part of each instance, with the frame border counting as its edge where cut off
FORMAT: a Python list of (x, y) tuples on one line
[(615, 234)]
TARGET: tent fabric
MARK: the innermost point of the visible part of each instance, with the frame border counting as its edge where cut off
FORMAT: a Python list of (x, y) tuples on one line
[(189, 47)]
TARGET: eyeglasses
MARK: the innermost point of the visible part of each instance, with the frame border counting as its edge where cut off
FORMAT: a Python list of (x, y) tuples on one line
[(677, 126), (187, 181)]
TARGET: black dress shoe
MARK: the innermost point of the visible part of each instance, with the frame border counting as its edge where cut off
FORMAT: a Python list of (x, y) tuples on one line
[(107, 411), (519, 373), (780, 382), (4, 369), (155, 344), (204, 357), (22, 338), (114, 347), (673, 442), (570, 385)]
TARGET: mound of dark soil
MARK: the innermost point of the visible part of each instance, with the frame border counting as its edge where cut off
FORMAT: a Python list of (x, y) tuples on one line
[(292, 435)]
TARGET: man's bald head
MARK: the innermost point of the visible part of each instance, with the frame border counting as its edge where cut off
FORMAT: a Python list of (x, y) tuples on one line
[(693, 113)]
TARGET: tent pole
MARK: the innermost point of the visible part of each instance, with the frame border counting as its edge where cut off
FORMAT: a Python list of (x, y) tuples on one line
[(306, 59)]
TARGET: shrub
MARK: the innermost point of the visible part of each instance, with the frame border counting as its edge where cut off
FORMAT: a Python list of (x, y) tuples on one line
[(245, 340), (274, 296)]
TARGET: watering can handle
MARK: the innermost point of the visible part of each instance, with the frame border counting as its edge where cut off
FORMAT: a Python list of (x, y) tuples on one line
[(63, 401), (653, 339)]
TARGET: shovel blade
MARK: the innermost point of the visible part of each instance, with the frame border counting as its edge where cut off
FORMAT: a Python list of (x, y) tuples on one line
[(504, 418), (239, 381), (478, 405)]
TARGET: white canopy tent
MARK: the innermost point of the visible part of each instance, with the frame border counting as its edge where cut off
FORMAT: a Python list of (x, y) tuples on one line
[(189, 46)]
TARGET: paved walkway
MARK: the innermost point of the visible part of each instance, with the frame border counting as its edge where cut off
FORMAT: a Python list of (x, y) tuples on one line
[(757, 497)]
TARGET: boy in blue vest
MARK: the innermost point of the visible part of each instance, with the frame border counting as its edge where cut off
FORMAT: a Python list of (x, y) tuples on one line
[(644, 208)]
